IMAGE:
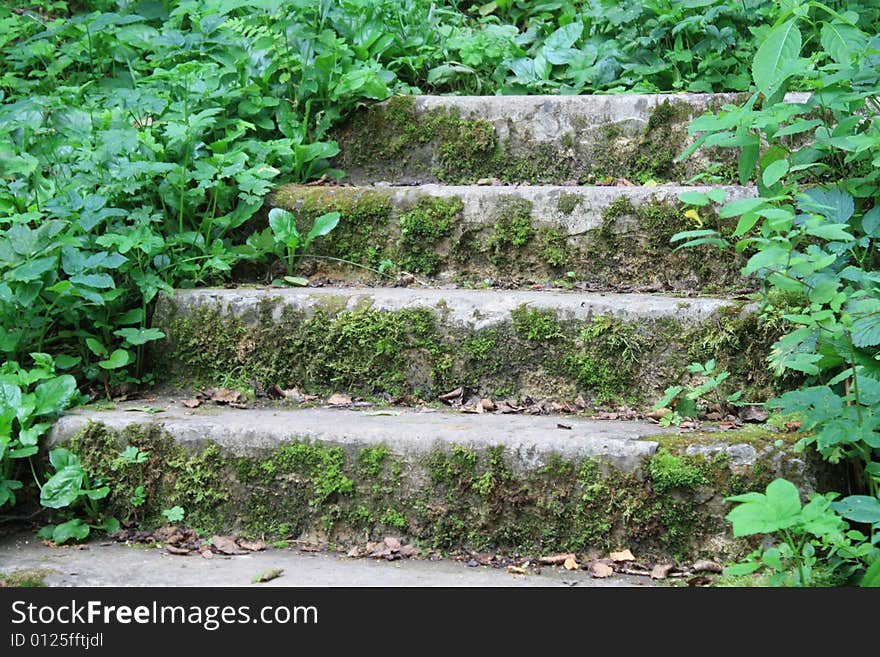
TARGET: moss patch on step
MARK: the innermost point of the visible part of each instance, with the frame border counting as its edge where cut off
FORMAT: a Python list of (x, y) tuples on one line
[(414, 351), (393, 141), (447, 499)]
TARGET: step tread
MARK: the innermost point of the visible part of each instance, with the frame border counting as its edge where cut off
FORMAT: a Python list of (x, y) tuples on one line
[(475, 307), (253, 431)]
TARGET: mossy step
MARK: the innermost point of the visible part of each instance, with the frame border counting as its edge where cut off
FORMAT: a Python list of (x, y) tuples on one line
[(537, 139), (607, 236), (447, 480), (427, 341)]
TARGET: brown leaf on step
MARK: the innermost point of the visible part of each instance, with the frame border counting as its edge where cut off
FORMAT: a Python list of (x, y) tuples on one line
[(409, 550), (206, 553), (176, 550), (753, 414), (504, 408), (599, 569), (267, 575), (700, 580), (448, 397), (338, 399), (354, 553), (706, 566), (604, 415), (726, 426), (319, 181), (623, 555), (253, 546), (392, 543), (226, 545), (516, 570), (571, 564), (658, 414), (220, 395), (192, 403), (237, 405), (791, 427), (555, 559), (714, 417), (688, 424), (175, 538), (580, 402), (567, 427), (625, 182), (487, 404), (661, 571)]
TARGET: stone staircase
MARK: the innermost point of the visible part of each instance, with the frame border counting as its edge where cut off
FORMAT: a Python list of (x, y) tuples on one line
[(532, 239)]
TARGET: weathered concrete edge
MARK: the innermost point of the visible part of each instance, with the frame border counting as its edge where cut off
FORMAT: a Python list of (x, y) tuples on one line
[(474, 309), (585, 204), (255, 432)]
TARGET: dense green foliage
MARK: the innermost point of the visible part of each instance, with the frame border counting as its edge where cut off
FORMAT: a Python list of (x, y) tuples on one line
[(813, 235)]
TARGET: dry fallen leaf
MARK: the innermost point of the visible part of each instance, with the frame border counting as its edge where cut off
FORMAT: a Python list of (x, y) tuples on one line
[(661, 571), (516, 570), (599, 569), (192, 403), (754, 414), (706, 566), (623, 555), (791, 427), (221, 395), (354, 553), (392, 543), (487, 404), (253, 546), (176, 550), (555, 559), (206, 553), (571, 564), (338, 399), (458, 393), (226, 545), (267, 575), (658, 414)]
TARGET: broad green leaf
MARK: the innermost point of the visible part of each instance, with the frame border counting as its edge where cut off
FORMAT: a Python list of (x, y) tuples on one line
[(119, 358), (746, 568), (61, 458), (842, 41), (694, 198), (323, 225), (774, 172), (859, 508), (283, 225), (740, 206), (72, 529), (778, 509), (139, 336), (748, 158), (54, 395), (63, 488), (746, 223), (871, 578), (831, 232), (777, 56)]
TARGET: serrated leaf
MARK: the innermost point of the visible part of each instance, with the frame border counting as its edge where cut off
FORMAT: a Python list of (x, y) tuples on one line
[(841, 41), (758, 513), (777, 56)]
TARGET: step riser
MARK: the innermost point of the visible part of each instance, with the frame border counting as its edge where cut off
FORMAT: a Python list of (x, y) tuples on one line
[(608, 236), (537, 139), (427, 342), (266, 480)]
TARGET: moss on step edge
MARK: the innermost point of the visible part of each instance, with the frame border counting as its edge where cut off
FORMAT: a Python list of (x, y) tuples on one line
[(461, 497), (428, 235), (413, 351), (393, 141)]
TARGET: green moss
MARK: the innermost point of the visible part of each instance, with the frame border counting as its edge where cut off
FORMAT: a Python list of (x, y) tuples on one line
[(554, 248), (566, 203), (536, 324), (460, 498), (512, 230), (670, 471), (421, 228), (29, 578), (360, 236)]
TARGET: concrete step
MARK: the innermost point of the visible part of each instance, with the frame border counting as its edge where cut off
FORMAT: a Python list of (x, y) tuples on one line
[(536, 139), (445, 480), (610, 237), (428, 341), (23, 559)]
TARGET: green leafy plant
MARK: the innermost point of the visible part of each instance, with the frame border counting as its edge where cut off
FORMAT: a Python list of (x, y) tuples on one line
[(683, 402), (174, 514), (283, 225), (812, 232), (805, 534), (69, 488), (29, 401)]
